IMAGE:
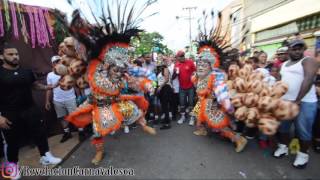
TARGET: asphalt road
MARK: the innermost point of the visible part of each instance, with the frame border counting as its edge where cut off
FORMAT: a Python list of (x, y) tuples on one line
[(178, 154)]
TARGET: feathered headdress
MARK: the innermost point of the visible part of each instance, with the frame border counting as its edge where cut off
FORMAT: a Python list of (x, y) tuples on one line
[(108, 39), (213, 46)]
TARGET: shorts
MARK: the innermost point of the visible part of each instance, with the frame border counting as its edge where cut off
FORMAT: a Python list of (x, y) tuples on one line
[(65, 107)]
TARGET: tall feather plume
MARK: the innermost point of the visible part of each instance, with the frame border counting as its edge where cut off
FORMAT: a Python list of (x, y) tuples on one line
[(118, 22), (216, 30), (143, 8), (94, 15), (118, 14), (218, 35), (212, 19), (204, 24), (104, 18), (123, 16), (75, 5), (227, 29), (142, 19), (113, 27), (130, 15)]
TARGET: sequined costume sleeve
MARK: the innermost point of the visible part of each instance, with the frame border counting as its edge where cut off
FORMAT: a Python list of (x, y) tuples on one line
[(137, 71)]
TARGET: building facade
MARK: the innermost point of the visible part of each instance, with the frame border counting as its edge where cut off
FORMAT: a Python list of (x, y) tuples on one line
[(271, 22)]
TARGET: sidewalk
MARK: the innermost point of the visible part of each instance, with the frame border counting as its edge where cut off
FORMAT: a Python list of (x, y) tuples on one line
[(29, 156)]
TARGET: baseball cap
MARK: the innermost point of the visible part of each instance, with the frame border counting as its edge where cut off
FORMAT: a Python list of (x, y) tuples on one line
[(180, 54), (296, 42), (282, 50), (55, 58)]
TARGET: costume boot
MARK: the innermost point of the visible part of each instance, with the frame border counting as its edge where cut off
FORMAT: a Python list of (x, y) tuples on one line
[(99, 151), (201, 131), (145, 127), (149, 130), (239, 141)]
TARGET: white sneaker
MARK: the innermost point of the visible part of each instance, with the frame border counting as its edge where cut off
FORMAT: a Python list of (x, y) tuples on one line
[(191, 122), (301, 160), (281, 151), (181, 120), (49, 159), (126, 129), (112, 133), (14, 172)]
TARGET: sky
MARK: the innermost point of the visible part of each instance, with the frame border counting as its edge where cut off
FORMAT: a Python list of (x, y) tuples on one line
[(175, 31)]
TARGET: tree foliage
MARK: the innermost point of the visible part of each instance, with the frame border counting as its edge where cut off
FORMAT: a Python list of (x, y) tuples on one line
[(149, 42)]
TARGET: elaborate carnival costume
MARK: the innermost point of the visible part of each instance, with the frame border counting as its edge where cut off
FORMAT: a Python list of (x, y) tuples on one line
[(212, 91), (108, 73)]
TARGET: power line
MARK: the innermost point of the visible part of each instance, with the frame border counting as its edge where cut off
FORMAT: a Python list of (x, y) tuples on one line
[(190, 18)]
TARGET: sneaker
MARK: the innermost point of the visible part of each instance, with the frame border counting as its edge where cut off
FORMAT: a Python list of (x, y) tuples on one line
[(181, 120), (134, 125), (191, 122), (112, 133), (65, 137), (126, 129), (165, 126), (162, 116), (250, 133), (49, 159), (301, 160), (82, 136), (281, 151)]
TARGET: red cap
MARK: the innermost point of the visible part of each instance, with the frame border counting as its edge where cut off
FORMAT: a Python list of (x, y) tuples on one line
[(180, 54)]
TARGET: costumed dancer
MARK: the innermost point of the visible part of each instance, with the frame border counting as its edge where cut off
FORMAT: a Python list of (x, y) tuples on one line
[(213, 96), (106, 108)]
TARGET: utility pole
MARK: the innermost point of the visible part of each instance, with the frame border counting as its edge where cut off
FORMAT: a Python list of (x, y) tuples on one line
[(190, 18)]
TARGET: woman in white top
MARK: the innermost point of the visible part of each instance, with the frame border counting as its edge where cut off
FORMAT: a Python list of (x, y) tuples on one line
[(175, 87), (164, 92)]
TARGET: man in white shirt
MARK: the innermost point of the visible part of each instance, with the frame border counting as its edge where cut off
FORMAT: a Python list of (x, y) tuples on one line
[(64, 102), (299, 73)]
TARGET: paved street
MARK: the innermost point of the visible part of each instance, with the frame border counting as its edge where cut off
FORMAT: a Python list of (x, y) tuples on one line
[(178, 154)]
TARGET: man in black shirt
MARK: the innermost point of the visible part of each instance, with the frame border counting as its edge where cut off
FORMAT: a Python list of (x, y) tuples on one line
[(18, 111)]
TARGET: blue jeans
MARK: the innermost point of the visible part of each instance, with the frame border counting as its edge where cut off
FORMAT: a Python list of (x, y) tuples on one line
[(152, 106), (183, 95), (303, 123)]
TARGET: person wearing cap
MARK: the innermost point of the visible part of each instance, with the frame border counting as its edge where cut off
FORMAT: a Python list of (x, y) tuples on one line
[(282, 56), (298, 73), (18, 112), (184, 68), (64, 101)]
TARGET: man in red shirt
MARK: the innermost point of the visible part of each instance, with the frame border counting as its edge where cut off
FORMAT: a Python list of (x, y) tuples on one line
[(184, 68)]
